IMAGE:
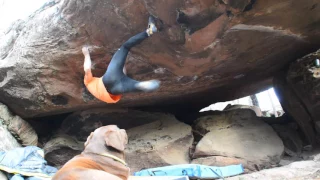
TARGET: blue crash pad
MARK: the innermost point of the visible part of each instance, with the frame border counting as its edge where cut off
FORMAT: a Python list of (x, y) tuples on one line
[(193, 171)]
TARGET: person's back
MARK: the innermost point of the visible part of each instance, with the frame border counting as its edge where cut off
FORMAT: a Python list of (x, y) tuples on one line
[(96, 87)]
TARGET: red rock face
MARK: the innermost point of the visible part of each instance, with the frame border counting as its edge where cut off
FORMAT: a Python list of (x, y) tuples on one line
[(209, 50)]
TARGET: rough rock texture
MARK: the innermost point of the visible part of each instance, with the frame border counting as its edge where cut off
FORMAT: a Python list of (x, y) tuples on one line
[(160, 143), (294, 107), (81, 124), (298, 170), (61, 149), (238, 133), (291, 139), (299, 94), (208, 48), (7, 142), (224, 161), (304, 78), (18, 127)]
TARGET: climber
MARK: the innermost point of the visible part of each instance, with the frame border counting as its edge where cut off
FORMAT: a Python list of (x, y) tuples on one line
[(115, 82)]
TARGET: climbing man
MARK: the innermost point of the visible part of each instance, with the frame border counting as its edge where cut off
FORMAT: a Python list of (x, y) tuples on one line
[(115, 82)]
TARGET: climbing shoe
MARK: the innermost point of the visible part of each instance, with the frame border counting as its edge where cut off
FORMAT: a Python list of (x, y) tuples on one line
[(154, 25), (148, 86)]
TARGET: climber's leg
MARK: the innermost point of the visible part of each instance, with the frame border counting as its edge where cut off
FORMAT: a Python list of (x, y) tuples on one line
[(115, 80)]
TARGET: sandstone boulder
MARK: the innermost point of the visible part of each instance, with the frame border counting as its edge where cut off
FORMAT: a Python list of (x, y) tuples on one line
[(18, 127), (238, 133), (208, 51), (160, 143), (60, 149), (81, 124)]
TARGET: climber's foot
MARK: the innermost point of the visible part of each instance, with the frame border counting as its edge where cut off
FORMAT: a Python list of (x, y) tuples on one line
[(154, 25), (148, 86)]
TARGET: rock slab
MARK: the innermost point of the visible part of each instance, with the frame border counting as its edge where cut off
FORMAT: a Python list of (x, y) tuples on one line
[(160, 143), (206, 50), (238, 133)]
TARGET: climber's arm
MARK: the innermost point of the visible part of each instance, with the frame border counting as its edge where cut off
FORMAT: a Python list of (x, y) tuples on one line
[(87, 65)]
